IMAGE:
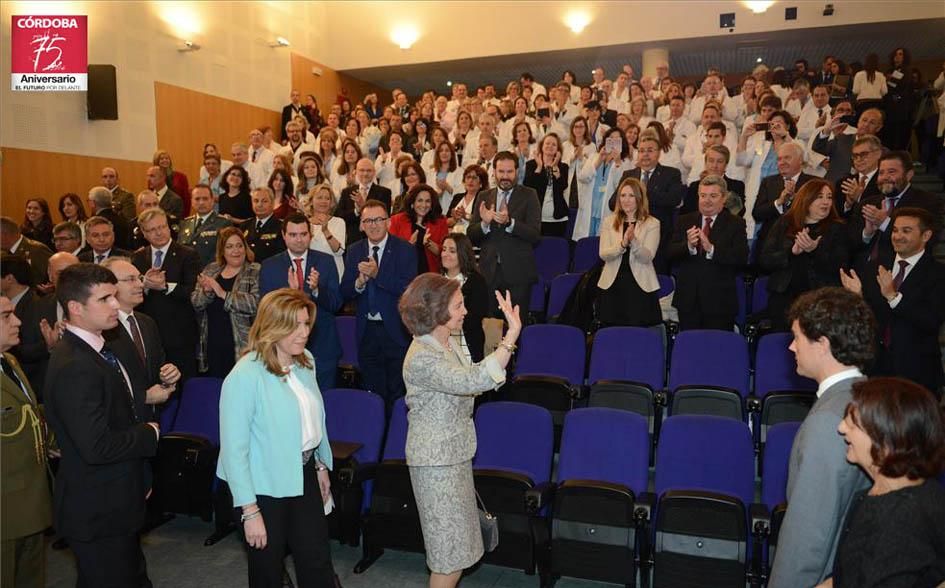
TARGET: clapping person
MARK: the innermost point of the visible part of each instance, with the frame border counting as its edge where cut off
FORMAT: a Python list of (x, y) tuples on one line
[(328, 231), (444, 171), (422, 225), (603, 172), (274, 448), (460, 209), (343, 173), (441, 438), (225, 299), (548, 176)]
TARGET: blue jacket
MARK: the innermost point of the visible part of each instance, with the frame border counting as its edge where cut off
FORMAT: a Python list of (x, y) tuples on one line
[(261, 432), (323, 341), (398, 268)]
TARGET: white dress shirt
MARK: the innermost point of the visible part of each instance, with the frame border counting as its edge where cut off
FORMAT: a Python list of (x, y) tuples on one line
[(837, 377)]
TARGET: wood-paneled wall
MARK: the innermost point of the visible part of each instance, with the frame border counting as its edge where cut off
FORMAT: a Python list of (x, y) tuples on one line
[(327, 86), (26, 174), (186, 120)]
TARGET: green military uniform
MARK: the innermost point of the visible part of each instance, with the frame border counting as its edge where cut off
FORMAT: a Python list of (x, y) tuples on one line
[(123, 202), (265, 240), (202, 235), (26, 502)]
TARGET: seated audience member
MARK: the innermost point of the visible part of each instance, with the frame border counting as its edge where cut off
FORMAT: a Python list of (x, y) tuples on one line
[(664, 192), (716, 161), (27, 507), (37, 222), (31, 349), (123, 201), (776, 192), (301, 268), (168, 199), (146, 201), (833, 341), (35, 253), (100, 204), (354, 197), (137, 341), (328, 231), (805, 250), (225, 299), (422, 225), (284, 199), (863, 182), (200, 231), (100, 236), (274, 449), (602, 172), (377, 271), (629, 240), (235, 203), (176, 180), (905, 293), (170, 274), (709, 248), (458, 262), (72, 210), (832, 141), (263, 232), (460, 209), (548, 177), (892, 534), (67, 237)]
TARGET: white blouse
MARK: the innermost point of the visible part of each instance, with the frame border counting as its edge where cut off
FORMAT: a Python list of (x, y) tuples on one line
[(308, 411), (338, 228)]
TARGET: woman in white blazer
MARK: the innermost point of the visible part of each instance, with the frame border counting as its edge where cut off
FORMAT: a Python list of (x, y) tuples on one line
[(444, 173), (600, 173), (629, 238)]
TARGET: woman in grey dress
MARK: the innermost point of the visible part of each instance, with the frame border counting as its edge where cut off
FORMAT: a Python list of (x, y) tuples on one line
[(441, 439)]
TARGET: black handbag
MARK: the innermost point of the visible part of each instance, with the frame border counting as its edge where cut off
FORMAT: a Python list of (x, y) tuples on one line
[(489, 525)]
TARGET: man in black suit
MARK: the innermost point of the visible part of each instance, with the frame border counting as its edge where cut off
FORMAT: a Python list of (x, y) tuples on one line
[(31, 351), (716, 162), (100, 205), (506, 225), (709, 247), (352, 199), (168, 199), (870, 222), (137, 341), (104, 437), (838, 146), (664, 190), (170, 275), (291, 110), (864, 181), (905, 293), (67, 236), (264, 232), (775, 193), (35, 253), (100, 235), (146, 200)]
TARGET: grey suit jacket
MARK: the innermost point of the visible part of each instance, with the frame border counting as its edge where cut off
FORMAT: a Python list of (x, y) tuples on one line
[(441, 387), (821, 485)]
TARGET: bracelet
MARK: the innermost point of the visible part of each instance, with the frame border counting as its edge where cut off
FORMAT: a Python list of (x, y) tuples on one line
[(252, 515), (510, 347)]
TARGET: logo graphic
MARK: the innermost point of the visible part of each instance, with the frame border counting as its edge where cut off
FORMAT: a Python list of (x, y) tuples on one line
[(49, 53)]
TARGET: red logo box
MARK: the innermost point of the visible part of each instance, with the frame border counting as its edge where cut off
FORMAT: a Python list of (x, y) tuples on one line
[(49, 53)]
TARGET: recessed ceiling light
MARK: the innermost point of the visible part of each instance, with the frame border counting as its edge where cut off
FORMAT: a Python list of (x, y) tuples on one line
[(449, 83)]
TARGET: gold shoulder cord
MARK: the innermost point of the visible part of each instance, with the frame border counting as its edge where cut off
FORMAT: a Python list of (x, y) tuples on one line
[(37, 425)]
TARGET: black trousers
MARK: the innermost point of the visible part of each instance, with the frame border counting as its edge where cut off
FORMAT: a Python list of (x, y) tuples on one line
[(694, 319), (381, 362), (521, 293), (110, 562), (297, 523)]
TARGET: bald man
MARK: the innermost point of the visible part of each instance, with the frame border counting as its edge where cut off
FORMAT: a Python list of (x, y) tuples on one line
[(353, 198), (101, 204), (123, 201)]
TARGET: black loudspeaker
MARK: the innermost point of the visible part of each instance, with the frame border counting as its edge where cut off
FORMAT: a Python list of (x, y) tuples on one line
[(102, 96)]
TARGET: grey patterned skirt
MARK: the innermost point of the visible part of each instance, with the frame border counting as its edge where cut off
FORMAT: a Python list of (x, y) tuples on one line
[(446, 499)]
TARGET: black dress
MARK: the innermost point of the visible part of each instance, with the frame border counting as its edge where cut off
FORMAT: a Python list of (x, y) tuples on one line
[(476, 300), (896, 539), (239, 206), (221, 355), (625, 304)]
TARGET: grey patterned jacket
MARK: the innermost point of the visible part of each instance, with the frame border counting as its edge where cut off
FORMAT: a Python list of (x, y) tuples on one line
[(241, 303), (441, 386)]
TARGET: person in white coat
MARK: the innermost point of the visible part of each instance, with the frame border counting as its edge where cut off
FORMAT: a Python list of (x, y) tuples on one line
[(602, 172)]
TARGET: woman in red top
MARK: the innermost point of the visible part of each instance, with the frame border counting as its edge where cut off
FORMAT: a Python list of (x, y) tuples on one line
[(423, 225), (176, 181)]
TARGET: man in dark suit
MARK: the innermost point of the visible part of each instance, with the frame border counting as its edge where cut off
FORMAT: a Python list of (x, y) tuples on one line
[(102, 433), (775, 193), (147, 200), (377, 271), (353, 198), (168, 199), (716, 162), (170, 275), (905, 293), (709, 247), (870, 222), (123, 201), (35, 253), (838, 146), (67, 236), (315, 273), (864, 181), (199, 231), (833, 340), (264, 232), (506, 225), (31, 351), (664, 191), (291, 110), (137, 341), (100, 205), (100, 235), (24, 495)]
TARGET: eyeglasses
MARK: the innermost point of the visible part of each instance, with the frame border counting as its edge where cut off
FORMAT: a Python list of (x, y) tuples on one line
[(61, 239), (861, 154), (373, 221), (129, 279)]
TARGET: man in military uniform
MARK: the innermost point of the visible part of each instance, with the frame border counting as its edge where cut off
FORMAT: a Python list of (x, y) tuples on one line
[(264, 232), (201, 229), (26, 503)]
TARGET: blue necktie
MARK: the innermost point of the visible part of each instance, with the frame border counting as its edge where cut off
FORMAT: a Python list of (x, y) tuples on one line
[(112, 360), (158, 258)]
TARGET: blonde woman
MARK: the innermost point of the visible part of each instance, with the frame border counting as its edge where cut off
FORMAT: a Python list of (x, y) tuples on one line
[(328, 231)]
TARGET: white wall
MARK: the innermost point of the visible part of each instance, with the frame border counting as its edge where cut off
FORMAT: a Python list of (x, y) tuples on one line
[(140, 39)]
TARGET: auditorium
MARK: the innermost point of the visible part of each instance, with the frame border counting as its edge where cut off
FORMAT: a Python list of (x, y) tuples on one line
[(375, 293)]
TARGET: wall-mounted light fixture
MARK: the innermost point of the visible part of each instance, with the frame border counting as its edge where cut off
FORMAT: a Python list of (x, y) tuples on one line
[(188, 46), (404, 35), (758, 6), (279, 42), (577, 20)]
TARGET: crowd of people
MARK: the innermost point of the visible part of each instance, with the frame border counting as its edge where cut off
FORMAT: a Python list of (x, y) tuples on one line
[(803, 177)]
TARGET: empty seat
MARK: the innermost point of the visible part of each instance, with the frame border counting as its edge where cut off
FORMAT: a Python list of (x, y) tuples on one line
[(777, 458), (709, 374), (348, 336), (561, 288), (552, 257), (602, 468), (782, 395), (586, 254), (667, 285)]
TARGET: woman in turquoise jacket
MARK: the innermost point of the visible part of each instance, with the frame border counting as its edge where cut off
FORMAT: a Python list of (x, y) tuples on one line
[(274, 450)]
